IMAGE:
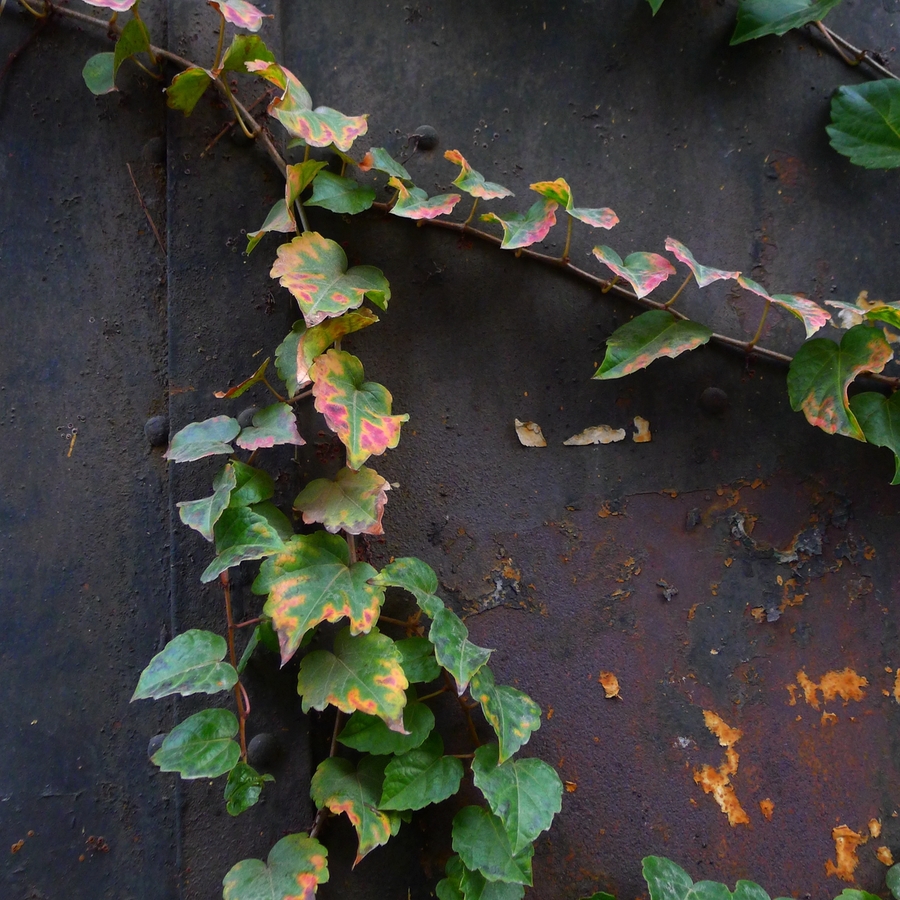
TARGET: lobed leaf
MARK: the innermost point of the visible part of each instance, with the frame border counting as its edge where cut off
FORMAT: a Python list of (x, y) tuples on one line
[(190, 663), (279, 218), (379, 159), (647, 337), (420, 777), (340, 195), (749, 890), (463, 884), (418, 660), (560, 192), (369, 734), (133, 40), (707, 890), (202, 746), (512, 714), (473, 182), (810, 314), (414, 576), (665, 880), (757, 18), (414, 203), (247, 532), (240, 13), (643, 271), (295, 868), (98, 73), (258, 376), (353, 501), (822, 370), (202, 515), (879, 419), (865, 123), (704, 275), (294, 100), (522, 230), (251, 485), (200, 439), (314, 270), (481, 842), (453, 649), (297, 178), (243, 788), (892, 878), (245, 48), (275, 424), (187, 88)]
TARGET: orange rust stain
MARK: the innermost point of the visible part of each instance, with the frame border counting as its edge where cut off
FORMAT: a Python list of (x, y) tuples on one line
[(885, 856), (897, 687), (693, 610), (727, 735), (549, 713), (714, 588), (875, 828), (759, 615), (757, 482), (845, 843), (718, 781), (828, 718), (869, 553), (571, 786), (728, 562), (845, 684), (730, 497), (792, 690), (766, 807), (17, 846), (610, 685)]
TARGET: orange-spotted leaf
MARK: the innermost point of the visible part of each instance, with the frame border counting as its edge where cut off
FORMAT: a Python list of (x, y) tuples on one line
[(324, 126), (453, 649), (358, 411), (294, 100), (240, 13), (275, 424), (295, 868), (703, 274), (647, 337), (414, 203), (379, 159), (512, 714), (522, 230), (473, 182), (243, 49), (364, 673), (643, 271), (811, 314), (280, 218), (247, 532), (822, 370), (351, 501), (314, 269), (560, 192), (187, 88), (879, 418), (311, 581), (236, 391), (297, 178), (343, 788)]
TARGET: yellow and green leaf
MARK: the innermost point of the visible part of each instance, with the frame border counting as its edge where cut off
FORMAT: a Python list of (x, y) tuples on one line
[(279, 218), (414, 203), (512, 714), (369, 734), (247, 532), (258, 376), (352, 501), (414, 576), (379, 159), (473, 182), (187, 88), (810, 314), (560, 192), (523, 229), (295, 868), (453, 649), (243, 49)]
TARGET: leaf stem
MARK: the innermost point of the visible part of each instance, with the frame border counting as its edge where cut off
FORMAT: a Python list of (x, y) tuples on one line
[(465, 709), (248, 623), (154, 75), (391, 621), (610, 284), (859, 56), (434, 694), (233, 103), (240, 695), (140, 21), (301, 396), (471, 213), (301, 212), (565, 254), (759, 330), (221, 43), (153, 227), (33, 11), (278, 396), (677, 293)]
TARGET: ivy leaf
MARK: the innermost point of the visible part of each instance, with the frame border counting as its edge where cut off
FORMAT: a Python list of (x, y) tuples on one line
[(294, 99), (461, 658), (247, 532), (201, 746), (243, 788), (340, 195), (341, 787), (258, 376), (810, 314), (665, 880), (200, 439), (252, 644), (297, 178), (187, 88), (757, 18), (522, 230), (821, 371), (240, 13), (414, 576), (481, 842), (314, 270), (643, 271), (655, 5), (98, 73), (865, 123), (704, 275), (202, 515), (420, 777), (560, 191), (189, 664), (879, 419), (473, 182), (278, 219), (310, 580), (513, 715), (418, 660), (893, 880), (647, 337), (379, 159), (133, 40), (296, 866), (324, 126), (525, 794), (357, 411), (352, 501), (243, 49), (854, 894), (251, 485), (707, 890), (414, 203), (463, 884), (275, 424), (369, 734), (748, 890)]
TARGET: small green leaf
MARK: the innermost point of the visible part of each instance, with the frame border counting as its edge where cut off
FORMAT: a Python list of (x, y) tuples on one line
[(810, 314), (647, 337), (420, 777), (865, 123), (275, 424), (297, 178), (893, 880), (757, 18), (247, 532), (189, 664), (369, 734), (853, 894), (296, 866), (340, 195), (481, 842), (280, 219), (419, 663), (98, 73), (353, 501), (243, 49), (461, 658), (251, 485), (201, 746), (463, 884), (654, 5), (202, 515), (414, 203), (294, 98), (704, 275), (252, 644), (708, 890), (199, 439), (187, 88), (256, 378), (240, 13), (414, 576), (749, 890), (665, 880), (379, 159), (473, 182), (522, 230), (560, 192), (879, 418), (643, 271), (243, 788), (512, 714), (890, 315), (133, 40)]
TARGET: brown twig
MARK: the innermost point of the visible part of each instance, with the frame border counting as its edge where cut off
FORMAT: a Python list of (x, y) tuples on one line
[(137, 190), (240, 695), (465, 709), (231, 123), (859, 56)]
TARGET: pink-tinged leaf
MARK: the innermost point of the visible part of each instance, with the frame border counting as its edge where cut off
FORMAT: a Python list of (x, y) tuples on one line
[(280, 218), (297, 178), (822, 370), (187, 88), (810, 314), (314, 270), (294, 100), (512, 714), (358, 411), (598, 218), (275, 424), (115, 5), (703, 274), (379, 159), (258, 376), (523, 230), (312, 581), (240, 13), (643, 271), (352, 502), (560, 192), (414, 203), (647, 337), (243, 49), (200, 439), (295, 868), (473, 182)]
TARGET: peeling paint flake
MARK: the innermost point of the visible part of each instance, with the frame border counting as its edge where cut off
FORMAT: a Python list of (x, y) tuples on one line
[(845, 843), (596, 434), (885, 856), (875, 828), (610, 685), (718, 781), (642, 431)]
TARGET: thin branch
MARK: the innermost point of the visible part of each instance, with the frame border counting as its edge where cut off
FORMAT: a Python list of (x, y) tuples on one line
[(240, 695), (859, 55), (137, 190)]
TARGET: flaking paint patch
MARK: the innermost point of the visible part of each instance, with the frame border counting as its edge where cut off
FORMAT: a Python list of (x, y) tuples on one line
[(885, 856), (845, 684), (846, 840), (718, 781)]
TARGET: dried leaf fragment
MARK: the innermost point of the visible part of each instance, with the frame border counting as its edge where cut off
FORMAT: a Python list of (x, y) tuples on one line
[(596, 434), (845, 843), (885, 856), (766, 807), (642, 434), (610, 685), (530, 434)]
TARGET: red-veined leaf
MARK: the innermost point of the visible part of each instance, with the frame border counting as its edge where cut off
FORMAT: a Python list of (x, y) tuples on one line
[(275, 424), (522, 230), (187, 88), (879, 418), (473, 182), (453, 649), (358, 411), (810, 314), (314, 270), (704, 275), (482, 844), (353, 501), (247, 532), (414, 203), (379, 159), (294, 99), (240, 13), (243, 49), (295, 868), (643, 271), (512, 714), (560, 192), (414, 576), (236, 391), (298, 177), (199, 439), (647, 337), (280, 218), (340, 195)]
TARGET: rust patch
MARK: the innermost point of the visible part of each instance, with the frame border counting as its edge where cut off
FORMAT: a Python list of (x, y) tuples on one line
[(885, 856), (845, 684), (718, 781), (846, 840), (875, 828), (897, 686), (767, 807), (610, 685)]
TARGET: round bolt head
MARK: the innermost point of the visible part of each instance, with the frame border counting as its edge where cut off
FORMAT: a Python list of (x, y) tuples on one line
[(263, 750), (714, 401), (155, 743), (245, 416), (156, 430), (426, 137)]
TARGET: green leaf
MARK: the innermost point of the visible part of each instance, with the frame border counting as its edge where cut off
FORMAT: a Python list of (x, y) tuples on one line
[(708, 890), (296, 866), (853, 894), (202, 515), (201, 746), (654, 5), (251, 485), (665, 880), (481, 842), (879, 419), (811, 314), (522, 230), (512, 714), (252, 644), (187, 88), (419, 663), (643, 271), (352, 501), (275, 424), (414, 203), (207, 438), (865, 123), (560, 192), (343, 788), (133, 39), (757, 18), (256, 378), (379, 159), (603, 895), (525, 794), (748, 890), (463, 884), (357, 411), (294, 99), (414, 576), (461, 658), (420, 777), (473, 182), (310, 580), (245, 47), (893, 880), (340, 195), (704, 275), (314, 270), (369, 734), (189, 664), (890, 315), (647, 337), (247, 532), (280, 218), (240, 13), (297, 178), (821, 371), (363, 673), (98, 73), (243, 788)]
